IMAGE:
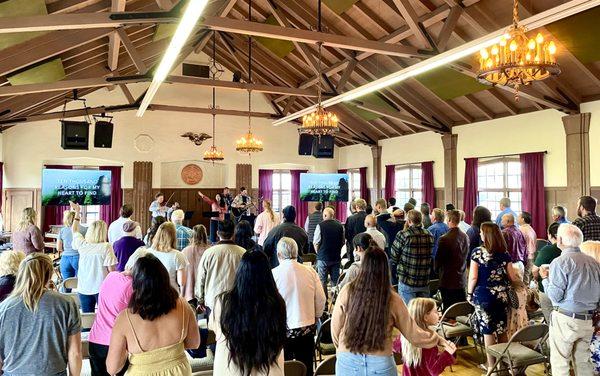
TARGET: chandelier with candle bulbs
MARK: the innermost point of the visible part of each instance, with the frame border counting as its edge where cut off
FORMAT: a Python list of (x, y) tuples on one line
[(320, 122), (249, 143), (517, 60), (213, 154)]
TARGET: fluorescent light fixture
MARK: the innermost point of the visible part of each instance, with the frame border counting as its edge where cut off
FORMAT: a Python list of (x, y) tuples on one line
[(539, 20), (192, 13)]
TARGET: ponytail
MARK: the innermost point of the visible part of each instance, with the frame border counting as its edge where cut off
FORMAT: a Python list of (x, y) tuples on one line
[(269, 209)]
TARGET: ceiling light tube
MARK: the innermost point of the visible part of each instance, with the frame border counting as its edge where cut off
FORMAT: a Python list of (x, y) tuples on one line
[(190, 17), (539, 20)]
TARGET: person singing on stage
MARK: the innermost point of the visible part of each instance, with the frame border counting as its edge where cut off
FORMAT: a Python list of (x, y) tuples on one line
[(217, 205), (158, 207), (242, 202)]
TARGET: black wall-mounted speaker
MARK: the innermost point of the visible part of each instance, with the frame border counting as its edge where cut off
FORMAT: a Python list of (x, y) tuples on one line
[(323, 147), (305, 144), (103, 134), (75, 135)]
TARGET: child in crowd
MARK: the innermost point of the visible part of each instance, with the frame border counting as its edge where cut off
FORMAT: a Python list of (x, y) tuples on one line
[(424, 362), (517, 317)]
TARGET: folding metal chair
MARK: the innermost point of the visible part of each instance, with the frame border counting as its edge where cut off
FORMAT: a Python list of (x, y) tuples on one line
[(324, 343), (517, 356), (294, 368), (326, 367), (460, 329)]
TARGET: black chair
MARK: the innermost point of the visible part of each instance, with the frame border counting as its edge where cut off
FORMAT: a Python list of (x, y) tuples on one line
[(324, 343), (294, 368), (310, 257)]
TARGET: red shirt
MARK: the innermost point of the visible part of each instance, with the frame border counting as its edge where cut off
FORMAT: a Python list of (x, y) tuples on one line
[(433, 362)]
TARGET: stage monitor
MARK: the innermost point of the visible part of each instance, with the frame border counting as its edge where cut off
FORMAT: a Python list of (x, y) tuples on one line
[(323, 187), (85, 187)]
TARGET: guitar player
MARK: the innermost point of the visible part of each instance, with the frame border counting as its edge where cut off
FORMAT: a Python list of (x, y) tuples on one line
[(241, 206)]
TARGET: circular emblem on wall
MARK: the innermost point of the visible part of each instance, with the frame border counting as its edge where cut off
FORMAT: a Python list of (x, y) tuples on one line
[(191, 174), (143, 143)]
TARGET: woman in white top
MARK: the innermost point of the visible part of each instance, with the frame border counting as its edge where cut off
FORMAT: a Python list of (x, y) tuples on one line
[(250, 322), (265, 222), (164, 248), (96, 259)]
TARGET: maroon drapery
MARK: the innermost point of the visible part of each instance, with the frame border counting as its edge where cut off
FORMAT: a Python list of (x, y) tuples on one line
[(53, 214), (1, 185), (265, 187), (364, 190), (390, 181), (427, 183), (109, 213), (301, 206), (533, 197), (470, 189), (341, 207)]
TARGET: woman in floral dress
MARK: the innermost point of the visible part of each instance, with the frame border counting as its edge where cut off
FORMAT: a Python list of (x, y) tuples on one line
[(490, 275)]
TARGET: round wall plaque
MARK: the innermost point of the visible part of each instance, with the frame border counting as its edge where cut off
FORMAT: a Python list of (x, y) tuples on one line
[(191, 174)]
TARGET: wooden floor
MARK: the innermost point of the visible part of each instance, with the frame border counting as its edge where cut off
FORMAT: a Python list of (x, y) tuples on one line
[(467, 365)]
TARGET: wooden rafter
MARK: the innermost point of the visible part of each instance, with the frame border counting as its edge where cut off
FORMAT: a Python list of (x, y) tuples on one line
[(412, 20), (218, 111), (114, 41)]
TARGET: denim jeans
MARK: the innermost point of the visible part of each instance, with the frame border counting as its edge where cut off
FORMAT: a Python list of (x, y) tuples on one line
[(349, 364), (88, 302), (69, 265), (331, 269), (408, 292)]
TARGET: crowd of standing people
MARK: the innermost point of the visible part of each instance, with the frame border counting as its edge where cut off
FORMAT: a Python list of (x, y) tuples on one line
[(264, 304)]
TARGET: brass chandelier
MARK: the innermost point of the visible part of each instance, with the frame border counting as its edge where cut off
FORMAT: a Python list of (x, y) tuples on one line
[(213, 154), (320, 122), (517, 60), (249, 143)]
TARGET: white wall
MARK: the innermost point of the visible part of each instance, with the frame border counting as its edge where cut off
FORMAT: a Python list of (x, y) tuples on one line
[(594, 108), (357, 156), (27, 147), (535, 131)]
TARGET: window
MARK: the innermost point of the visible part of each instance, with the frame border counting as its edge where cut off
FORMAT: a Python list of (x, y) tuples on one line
[(89, 214), (408, 184), (282, 190), (353, 186), (496, 179)]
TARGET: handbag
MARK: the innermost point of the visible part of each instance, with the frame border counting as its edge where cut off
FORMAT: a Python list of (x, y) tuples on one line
[(513, 298)]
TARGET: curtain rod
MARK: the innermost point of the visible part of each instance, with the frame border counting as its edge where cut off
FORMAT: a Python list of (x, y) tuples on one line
[(408, 164), (507, 155)]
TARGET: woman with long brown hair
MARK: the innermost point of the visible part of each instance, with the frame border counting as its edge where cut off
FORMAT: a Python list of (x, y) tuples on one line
[(365, 313), (193, 253), (490, 275)]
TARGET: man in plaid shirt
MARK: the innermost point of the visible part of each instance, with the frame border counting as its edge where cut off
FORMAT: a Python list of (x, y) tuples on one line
[(412, 251), (184, 234), (587, 221)]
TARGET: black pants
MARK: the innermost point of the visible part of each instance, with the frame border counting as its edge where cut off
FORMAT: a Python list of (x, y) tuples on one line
[(98, 355), (214, 223), (452, 296), (301, 349)]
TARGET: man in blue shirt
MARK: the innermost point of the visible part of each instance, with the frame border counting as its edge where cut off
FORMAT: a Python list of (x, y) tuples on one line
[(505, 209), (559, 215), (572, 282), (437, 229)]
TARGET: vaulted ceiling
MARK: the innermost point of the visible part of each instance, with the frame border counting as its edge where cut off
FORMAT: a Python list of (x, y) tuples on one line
[(39, 69)]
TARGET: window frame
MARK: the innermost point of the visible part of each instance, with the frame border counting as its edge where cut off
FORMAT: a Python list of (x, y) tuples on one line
[(411, 167), (505, 190), (353, 192), (279, 192)]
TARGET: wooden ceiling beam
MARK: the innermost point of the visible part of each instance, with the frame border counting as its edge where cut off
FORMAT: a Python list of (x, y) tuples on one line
[(63, 85), (346, 75), (114, 41), (412, 20), (127, 93), (66, 115), (132, 51), (307, 36), (164, 4), (231, 50), (71, 6), (398, 116), (489, 114), (210, 111), (512, 109), (243, 86), (448, 27)]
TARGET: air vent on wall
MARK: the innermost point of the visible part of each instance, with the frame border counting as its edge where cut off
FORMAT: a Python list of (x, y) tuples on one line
[(195, 70)]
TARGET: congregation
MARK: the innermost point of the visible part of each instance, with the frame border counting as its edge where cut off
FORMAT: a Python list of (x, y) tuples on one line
[(266, 291)]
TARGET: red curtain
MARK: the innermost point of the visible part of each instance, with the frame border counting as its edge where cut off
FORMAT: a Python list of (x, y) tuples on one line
[(265, 187), (470, 189), (364, 190), (53, 214), (533, 197), (341, 208), (427, 183), (301, 206), (1, 185), (390, 181), (109, 213)]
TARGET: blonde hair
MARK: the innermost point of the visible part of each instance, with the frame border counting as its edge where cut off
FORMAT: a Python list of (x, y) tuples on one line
[(97, 232), (165, 238), (68, 217), (33, 276), (9, 262), (591, 248), (269, 209), (418, 308), (27, 219)]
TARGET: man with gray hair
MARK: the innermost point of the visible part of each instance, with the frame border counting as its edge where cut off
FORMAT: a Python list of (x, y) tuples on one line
[(184, 234), (300, 288), (329, 241), (559, 214), (505, 209), (572, 282)]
